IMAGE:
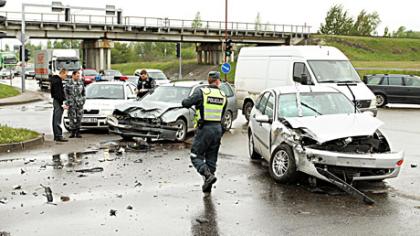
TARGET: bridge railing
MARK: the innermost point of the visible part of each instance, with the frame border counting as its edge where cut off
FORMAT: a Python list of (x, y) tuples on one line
[(162, 23)]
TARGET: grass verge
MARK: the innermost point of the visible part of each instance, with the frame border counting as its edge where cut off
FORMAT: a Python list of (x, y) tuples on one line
[(13, 135), (7, 91)]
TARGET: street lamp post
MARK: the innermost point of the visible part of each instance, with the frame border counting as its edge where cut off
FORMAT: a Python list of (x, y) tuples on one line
[(58, 7)]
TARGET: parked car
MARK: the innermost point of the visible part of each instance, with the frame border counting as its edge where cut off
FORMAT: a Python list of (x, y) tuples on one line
[(160, 114), (89, 76), (260, 68), (394, 88), (109, 75), (101, 100), (155, 74), (319, 127), (30, 72), (7, 73)]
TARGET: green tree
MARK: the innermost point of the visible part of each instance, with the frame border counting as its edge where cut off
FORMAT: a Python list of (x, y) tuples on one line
[(337, 22), (386, 32), (400, 32), (366, 23), (197, 22), (258, 22)]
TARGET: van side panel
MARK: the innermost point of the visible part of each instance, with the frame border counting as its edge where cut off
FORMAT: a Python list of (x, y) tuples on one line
[(279, 72), (250, 77)]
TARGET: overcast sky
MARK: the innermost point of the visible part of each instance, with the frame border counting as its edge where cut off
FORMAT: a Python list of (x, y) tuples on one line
[(392, 13)]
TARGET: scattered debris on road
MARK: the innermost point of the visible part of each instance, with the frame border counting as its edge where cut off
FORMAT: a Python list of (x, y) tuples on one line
[(202, 220), (17, 187), (65, 198), (413, 165), (90, 170), (129, 207), (113, 212), (48, 193)]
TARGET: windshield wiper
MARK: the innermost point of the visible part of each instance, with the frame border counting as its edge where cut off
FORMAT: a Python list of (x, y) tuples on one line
[(348, 81), (313, 109), (328, 81)]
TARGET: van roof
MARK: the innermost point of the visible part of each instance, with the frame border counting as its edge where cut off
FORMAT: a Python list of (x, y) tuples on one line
[(306, 52), (304, 89)]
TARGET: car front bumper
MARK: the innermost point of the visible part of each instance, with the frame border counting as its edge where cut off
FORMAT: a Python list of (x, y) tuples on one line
[(143, 131), (376, 166), (90, 122)]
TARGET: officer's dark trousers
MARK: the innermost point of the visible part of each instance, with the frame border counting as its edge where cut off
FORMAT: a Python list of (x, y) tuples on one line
[(56, 119), (205, 147)]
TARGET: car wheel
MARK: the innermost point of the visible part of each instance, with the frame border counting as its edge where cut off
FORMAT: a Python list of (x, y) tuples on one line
[(282, 165), (251, 150), (126, 138), (66, 127), (181, 132), (247, 109), (227, 121), (380, 100)]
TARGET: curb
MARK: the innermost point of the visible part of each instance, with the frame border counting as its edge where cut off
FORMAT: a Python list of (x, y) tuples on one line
[(6, 148), (16, 100)]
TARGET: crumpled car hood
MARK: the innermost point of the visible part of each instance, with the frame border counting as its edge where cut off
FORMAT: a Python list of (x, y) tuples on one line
[(330, 127), (146, 109)]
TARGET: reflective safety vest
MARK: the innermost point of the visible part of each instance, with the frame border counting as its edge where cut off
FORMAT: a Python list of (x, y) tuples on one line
[(213, 102)]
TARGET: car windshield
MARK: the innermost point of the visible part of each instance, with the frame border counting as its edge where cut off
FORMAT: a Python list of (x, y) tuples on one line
[(314, 104), (171, 94), (157, 75), (68, 64), (333, 71), (105, 91), (112, 73), (90, 72)]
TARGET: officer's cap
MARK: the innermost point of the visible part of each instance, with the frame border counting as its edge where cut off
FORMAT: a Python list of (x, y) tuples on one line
[(214, 74)]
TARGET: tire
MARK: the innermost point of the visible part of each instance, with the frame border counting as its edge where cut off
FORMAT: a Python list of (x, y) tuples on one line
[(380, 100), (247, 109), (283, 156), (251, 150), (126, 138), (181, 133), (227, 121), (66, 127)]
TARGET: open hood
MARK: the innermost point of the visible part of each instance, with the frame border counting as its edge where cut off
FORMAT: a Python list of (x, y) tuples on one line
[(330, 127)]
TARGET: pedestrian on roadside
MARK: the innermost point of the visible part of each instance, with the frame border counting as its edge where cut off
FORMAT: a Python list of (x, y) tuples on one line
[(210, 104), (145, 84), (75, 99), (57, 93)]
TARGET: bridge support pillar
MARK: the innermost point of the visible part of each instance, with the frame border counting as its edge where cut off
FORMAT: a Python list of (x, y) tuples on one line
[(97, 54), (209, 53)]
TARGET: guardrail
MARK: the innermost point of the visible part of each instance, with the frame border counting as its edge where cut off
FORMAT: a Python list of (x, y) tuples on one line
[(165, 23)]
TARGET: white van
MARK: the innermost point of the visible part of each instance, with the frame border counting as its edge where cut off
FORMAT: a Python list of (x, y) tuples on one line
[(259, 68)]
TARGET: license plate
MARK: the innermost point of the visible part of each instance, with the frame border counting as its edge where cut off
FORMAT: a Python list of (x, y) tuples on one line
[(89, 120)]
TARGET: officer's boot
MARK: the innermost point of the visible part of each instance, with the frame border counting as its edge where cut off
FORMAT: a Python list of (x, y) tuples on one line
[(209, 180), (73, 134), (77, 133)]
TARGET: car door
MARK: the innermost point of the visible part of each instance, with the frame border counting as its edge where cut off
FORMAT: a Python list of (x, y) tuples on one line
[(412, 85), (256, 127), (396, 91), (265, 131), (231, 99)]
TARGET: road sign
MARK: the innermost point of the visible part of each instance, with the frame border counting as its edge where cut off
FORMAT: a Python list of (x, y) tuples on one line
[(19, 37), (226, 68)]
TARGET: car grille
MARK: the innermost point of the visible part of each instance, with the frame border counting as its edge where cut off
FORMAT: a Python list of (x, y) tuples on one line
[(363, 103), (91, 112)]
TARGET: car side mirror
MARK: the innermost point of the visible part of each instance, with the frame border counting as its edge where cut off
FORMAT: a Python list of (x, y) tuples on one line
[(263, 119)]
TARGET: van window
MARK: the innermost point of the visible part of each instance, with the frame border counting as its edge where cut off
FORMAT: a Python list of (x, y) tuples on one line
[(299, 68), (333, 71)]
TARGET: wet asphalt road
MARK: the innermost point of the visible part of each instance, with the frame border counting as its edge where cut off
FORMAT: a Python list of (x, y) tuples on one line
[(157, 192)]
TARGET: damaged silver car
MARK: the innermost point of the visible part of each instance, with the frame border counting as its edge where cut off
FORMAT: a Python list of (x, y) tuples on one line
[(319, 131), (159, 114)]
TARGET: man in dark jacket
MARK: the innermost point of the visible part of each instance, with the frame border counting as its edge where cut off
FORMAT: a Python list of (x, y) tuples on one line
[(145, 84), (57, 93), (210, 104)]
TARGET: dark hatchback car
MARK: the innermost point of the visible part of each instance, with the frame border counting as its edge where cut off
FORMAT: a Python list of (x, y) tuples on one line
[(394, 88)]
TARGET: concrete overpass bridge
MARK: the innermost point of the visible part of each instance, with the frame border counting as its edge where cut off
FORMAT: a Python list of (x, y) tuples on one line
[(99, 31)]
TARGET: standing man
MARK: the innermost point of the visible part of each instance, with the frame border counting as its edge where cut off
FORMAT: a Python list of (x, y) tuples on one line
[(145, 84), (57, 93), (75, 99), (210, 104)]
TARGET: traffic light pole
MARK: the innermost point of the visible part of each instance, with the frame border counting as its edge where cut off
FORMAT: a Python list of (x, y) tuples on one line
[(22, 40), (226, 18), (180, 62)]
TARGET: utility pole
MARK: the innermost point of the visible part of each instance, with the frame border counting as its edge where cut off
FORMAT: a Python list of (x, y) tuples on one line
[(226, 19)]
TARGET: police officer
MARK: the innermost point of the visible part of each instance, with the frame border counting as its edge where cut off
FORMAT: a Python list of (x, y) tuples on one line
[(75, 99), (145, 84), (57, 93), (210, 104)]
